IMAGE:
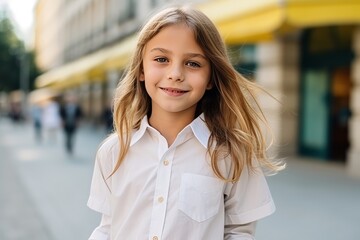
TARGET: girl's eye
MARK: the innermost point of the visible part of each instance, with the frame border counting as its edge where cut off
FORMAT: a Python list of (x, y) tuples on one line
[(193, 64), (161, 60)]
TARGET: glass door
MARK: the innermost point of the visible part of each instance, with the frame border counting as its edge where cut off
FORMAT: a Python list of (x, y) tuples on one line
[(314, 119)]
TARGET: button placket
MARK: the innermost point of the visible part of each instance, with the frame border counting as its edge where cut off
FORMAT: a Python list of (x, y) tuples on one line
[(161, 192)]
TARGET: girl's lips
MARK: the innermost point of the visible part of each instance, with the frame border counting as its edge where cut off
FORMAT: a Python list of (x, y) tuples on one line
[(174, 91)]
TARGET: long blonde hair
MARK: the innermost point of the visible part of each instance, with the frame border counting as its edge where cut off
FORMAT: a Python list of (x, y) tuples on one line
[(230, 109)]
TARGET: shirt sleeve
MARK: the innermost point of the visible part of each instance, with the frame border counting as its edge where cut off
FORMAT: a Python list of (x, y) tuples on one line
[(102, 232), (248, 199), (99, 199), (240, 232)]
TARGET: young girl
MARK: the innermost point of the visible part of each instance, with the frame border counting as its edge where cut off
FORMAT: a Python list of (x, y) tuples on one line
[(185, 162)]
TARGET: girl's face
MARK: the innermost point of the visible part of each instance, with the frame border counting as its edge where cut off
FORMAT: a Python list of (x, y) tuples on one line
[(175, 70)]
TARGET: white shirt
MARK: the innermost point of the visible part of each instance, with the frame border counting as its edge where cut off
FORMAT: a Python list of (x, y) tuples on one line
[(162, 192)]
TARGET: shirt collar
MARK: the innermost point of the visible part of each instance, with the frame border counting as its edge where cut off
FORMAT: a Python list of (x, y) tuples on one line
[(140, 132), (200, 130), (198, 127)]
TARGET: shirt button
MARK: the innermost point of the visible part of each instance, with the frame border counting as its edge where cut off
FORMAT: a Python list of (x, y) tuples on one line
[(160, 199), (155, 238), (166, 162)]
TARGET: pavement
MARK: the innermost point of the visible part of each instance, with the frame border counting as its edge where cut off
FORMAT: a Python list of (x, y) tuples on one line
[(43, 191)]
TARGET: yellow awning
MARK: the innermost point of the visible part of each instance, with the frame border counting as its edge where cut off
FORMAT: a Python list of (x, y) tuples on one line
[(73, 73), (259, 20), (120, 54), (89, 68), (239, 21), (309, 13)]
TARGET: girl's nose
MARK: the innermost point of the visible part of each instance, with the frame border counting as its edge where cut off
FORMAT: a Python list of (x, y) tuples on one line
[(176, 73)]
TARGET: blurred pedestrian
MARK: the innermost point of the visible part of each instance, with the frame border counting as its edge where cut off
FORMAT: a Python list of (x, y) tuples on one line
[(51, 120), (15, 112), (185, 160), (36, 116), (70, 113)]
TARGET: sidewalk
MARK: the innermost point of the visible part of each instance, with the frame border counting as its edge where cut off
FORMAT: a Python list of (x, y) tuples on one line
[(315, 201), (18, 217), (43, 192), (44, 189)]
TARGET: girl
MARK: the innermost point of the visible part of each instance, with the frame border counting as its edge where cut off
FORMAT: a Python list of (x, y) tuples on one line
[(185, 160)]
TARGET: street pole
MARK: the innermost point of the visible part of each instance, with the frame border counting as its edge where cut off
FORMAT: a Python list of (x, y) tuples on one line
[(24, 81)]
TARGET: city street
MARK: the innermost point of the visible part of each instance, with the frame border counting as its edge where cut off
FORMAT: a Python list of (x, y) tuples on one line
[(43, 192)]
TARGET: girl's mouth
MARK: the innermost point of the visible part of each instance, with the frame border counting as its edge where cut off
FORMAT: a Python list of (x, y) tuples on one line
[(173, 91)]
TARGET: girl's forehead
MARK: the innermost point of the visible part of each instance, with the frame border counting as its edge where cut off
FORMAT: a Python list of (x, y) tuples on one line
[(176, 29), (180, 35)]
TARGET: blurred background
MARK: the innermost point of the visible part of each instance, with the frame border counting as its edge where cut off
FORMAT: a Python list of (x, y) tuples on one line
[(64, 56)]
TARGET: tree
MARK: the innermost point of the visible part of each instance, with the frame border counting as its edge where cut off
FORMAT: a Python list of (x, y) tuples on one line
[(34, 71), (13, 56)]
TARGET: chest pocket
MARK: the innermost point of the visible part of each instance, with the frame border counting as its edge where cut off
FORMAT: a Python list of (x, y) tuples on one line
[(200, 196)]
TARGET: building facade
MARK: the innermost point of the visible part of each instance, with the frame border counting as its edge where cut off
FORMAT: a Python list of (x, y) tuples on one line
[(304, 53)]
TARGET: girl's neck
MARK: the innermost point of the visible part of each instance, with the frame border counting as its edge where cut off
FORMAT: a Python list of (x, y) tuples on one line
[(169, 125)]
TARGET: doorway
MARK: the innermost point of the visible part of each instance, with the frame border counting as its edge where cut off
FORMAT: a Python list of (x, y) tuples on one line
[(339, 113), (326, 57), (325, 113), (314, 134)]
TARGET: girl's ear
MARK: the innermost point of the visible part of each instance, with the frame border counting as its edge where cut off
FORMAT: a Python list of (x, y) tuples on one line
[(142, 75), (209, 86), (142, 78)]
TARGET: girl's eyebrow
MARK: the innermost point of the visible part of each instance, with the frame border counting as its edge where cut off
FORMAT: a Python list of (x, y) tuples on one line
[(163, 50), (160, 49)]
